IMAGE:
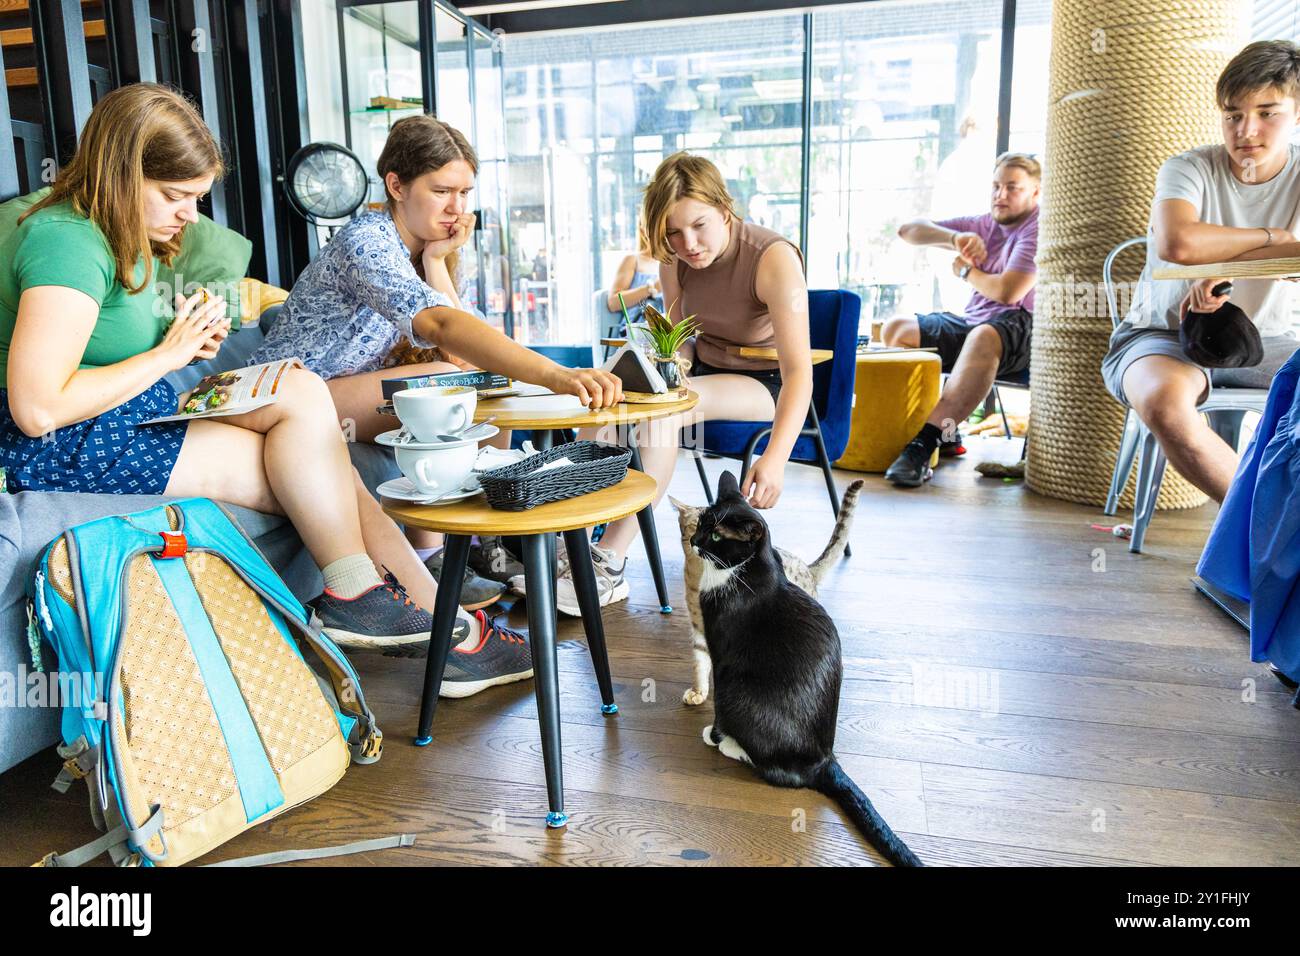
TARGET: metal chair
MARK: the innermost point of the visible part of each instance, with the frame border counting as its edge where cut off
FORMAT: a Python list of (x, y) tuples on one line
[(1225, 409), (610, 323)]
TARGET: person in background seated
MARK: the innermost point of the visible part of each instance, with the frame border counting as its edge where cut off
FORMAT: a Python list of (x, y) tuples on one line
[(995, 254), (85, 346), (1236, 200), (745, 285), (381, 301), (638, 279)]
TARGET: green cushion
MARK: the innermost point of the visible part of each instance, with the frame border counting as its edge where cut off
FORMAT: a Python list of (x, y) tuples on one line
[(211, 255)]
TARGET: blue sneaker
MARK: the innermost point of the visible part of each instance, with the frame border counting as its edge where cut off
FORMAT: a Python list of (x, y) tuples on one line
[(502, 656), (381, 618)]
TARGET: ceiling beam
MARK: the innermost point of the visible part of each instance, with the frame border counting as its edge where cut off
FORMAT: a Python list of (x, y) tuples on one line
[(623, 12)]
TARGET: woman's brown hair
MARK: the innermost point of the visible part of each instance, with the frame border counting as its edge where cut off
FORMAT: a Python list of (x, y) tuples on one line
[(681, 175), (136, 132), (420, 144)]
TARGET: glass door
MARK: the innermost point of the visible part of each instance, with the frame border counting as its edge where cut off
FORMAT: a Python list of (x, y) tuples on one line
[(382, 72), (381, 77), (490, 138)]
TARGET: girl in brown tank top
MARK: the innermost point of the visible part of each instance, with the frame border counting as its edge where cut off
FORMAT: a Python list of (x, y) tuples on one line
[(744, 284)]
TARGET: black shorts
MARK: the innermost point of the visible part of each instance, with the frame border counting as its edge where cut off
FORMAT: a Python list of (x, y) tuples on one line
[(769, 378), (947, 333)]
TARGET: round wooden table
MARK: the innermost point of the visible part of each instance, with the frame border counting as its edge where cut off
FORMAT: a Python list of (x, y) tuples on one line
[(536, 528), (544, 413)]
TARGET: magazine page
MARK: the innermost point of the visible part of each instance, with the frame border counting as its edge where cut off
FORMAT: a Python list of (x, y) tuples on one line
[(232, 393)]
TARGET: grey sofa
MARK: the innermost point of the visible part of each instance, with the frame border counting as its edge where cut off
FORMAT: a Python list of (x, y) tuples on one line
[(30, 520)]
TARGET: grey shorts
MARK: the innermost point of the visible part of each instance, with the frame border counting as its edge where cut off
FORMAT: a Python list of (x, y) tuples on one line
[(1128, 345)]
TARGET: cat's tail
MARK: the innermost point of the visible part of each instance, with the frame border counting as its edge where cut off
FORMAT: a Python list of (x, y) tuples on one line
[(837, 785), (840, 536)]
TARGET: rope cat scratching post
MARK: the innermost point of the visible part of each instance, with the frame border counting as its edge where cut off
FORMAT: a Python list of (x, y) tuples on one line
[(1131, 84)]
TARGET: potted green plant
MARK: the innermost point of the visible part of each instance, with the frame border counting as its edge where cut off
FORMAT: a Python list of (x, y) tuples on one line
[(664, 339)]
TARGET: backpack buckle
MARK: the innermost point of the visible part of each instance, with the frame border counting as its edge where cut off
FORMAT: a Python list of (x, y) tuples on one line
[(174, 545)]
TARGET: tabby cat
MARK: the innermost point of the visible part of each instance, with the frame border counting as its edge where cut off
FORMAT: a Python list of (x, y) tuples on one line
[(798, 573), (776, 666)]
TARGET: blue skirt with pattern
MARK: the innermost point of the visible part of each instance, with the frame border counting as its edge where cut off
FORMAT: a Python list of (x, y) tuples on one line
[(109, 454)]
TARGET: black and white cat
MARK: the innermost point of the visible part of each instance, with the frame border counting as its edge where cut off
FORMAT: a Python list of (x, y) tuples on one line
[(776, 666)]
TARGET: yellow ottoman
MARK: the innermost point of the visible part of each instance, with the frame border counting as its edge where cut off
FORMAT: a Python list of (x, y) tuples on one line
[(893, 394)]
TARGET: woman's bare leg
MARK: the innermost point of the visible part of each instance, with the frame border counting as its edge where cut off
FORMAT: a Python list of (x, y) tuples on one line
[(289, 458)]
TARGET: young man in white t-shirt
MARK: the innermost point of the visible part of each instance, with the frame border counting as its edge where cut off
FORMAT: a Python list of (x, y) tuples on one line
[(1238, 200)]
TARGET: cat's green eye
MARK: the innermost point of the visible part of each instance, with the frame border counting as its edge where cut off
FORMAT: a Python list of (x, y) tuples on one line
[(715, 536)]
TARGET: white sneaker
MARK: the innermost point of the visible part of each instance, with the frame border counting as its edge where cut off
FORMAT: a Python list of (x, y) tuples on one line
[(611, 585)]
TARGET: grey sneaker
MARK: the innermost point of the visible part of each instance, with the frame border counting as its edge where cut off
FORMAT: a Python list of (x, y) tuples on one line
[(502, 656), (475, 592), (381, 618), (611, 585), (490, 559)]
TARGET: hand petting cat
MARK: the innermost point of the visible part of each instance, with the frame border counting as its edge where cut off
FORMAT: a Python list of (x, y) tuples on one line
[(764, 482)]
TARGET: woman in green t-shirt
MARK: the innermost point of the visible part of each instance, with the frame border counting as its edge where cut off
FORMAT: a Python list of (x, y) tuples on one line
[(84, 349)]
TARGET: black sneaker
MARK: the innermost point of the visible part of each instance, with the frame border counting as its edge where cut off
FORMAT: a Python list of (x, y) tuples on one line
[(490, 559), (911, 468), (952, 449), (502, 656), (381, 618), (475, 592)]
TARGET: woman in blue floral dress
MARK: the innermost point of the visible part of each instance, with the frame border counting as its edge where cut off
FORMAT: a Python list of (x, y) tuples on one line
[(383, 291)]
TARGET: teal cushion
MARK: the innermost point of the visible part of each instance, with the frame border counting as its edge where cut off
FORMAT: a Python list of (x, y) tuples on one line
[(211, 256)]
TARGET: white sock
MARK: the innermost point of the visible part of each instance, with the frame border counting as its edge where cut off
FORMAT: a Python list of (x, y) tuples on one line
[(425, 553), (350, 576), (470, 642)]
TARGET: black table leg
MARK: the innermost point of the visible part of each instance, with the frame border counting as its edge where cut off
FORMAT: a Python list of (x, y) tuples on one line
[(584, 582), (444, 620), (546, 677), (650, 537), (544, 440)]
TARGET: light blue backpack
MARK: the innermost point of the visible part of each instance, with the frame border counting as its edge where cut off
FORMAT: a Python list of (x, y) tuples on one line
[(188, 705)]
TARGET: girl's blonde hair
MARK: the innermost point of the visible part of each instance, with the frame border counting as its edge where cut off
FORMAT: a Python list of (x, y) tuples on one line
[(420, 144), (681, 176), (136, 132)]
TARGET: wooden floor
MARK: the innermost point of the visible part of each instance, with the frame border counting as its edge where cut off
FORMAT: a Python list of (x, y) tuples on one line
[(1005, 702)]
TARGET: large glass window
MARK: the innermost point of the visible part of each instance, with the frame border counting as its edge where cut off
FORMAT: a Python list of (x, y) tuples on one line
[(905, 106), (592, 114), (491, 139), (451, 64)]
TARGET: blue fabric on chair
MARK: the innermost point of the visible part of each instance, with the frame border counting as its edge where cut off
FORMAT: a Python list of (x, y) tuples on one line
[(832, 324)]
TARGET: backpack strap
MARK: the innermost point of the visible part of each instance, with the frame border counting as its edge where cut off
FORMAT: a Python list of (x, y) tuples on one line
[(113, 838), (288, 856), (79, 760)]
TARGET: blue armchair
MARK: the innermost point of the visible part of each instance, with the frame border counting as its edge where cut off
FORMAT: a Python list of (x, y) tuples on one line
[(833, 324)]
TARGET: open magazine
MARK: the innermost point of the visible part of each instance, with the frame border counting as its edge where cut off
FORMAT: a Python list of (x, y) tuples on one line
[(232, 393)]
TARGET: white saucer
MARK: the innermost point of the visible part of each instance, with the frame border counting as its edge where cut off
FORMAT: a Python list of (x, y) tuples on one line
[(403, 490), (389, 438)]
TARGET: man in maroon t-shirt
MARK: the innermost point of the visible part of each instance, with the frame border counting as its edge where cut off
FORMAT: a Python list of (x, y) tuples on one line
[(995, 254)]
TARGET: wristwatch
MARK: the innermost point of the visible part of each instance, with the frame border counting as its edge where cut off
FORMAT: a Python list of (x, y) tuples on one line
[(964, 271)]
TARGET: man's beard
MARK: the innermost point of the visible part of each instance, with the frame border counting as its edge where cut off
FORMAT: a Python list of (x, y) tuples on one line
[(1006, 219)]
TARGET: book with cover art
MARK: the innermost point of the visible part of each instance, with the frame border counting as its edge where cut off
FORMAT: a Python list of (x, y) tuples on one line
[(232, 393), (489, 384)]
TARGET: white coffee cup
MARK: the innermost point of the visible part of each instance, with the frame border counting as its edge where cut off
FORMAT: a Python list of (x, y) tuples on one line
[(440, 470), (435, 410)]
